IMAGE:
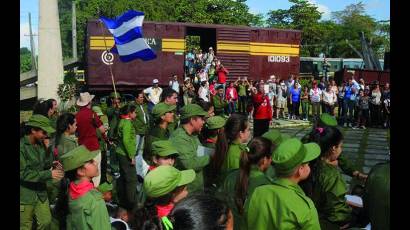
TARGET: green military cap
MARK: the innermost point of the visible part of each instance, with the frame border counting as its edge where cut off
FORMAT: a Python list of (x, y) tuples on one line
[(112, 95), (162, 108), (164, 179), (328, 120), (163, 148), (292, 153), (191, 110), (77, 157), (105, 187), (97, 110), (274, 136), (42, 122), (215, 122)]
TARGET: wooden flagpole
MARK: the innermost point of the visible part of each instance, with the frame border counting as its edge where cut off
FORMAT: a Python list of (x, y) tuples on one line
[(109, 66)]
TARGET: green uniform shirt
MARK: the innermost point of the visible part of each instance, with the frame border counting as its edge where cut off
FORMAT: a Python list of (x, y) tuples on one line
[(187, 146), (35, 166), (233, 156), (282, 205), (66, 144), (329, 190), (155, 134), (88, 212), (140, 125), (226, 192), (242, 90), (113, 115), (219, 103), (376, 198), (127, 139)]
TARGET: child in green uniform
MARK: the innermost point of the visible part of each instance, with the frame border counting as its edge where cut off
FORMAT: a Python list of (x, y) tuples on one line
[(328, 189), (164, 154), (164, 187), (214, 128), (162, 114), (65, 139), (228, 150), (86, 207), (219, 101), (276, 138), (126, 151), (35, 170), (240, 184), (283, 204)]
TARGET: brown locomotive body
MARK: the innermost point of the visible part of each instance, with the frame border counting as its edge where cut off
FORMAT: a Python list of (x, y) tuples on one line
[(255, 53)]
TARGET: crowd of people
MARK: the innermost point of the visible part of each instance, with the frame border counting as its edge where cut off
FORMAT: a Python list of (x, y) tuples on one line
[(160, 162)]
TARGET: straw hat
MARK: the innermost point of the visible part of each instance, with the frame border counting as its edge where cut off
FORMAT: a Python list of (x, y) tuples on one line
[(85, 99)]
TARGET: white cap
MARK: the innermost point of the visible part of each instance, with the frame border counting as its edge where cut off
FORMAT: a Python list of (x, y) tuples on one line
[(155, 81), (272, 76), (210, 48), (187, 78)]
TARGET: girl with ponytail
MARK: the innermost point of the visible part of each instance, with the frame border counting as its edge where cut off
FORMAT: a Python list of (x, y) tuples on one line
[(326, 186), (229, 147), (240, 184)]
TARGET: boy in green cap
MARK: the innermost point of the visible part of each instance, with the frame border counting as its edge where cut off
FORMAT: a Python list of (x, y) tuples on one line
[(85, 203), (164, 187), (284, 205), (163, 115), (106, 190), (164, 153), (36, 169), (276, 138), (214, 127), (185, 140)]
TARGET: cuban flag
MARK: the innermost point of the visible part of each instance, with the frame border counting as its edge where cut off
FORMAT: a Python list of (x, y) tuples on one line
[(127, 32)]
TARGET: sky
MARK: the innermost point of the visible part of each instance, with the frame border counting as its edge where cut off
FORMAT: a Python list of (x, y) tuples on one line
[(379, 9)]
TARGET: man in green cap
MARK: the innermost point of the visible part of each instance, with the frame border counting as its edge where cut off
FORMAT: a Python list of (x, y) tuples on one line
[(185, 140), (284, 205), (327, 120), (163, 115), (219, 101), (376, 199), (36, 168), (86, 206), (170, 97), (276, 138)]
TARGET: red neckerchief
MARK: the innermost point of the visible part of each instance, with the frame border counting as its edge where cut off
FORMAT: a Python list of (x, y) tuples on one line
[(152, 167), (209, 140), (78, 190), (125, 117), (164, 210)]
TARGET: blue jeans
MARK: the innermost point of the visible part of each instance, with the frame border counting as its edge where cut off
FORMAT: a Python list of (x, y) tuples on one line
[(347, 111), (140, 143), (232, 107), (150, 106)]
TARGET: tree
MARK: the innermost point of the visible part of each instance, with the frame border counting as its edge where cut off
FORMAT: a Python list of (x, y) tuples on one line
[(25, 60), (304, 16)]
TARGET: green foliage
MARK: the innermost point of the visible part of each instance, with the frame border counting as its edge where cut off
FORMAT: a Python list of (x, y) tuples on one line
[(25, 60)]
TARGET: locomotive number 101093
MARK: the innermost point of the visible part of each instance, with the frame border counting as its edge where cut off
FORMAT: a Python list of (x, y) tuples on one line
[(278, 59)]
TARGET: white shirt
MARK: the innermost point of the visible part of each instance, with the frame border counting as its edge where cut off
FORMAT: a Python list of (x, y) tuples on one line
[(153, 94), (203, 93), (174, 85), (315, 94), (329, 97)]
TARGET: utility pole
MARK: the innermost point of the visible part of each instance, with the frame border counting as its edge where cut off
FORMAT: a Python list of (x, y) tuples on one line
[(74, 33), (50, 57), (33, 54), (74, 29)]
